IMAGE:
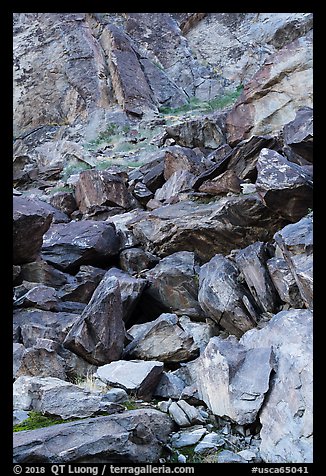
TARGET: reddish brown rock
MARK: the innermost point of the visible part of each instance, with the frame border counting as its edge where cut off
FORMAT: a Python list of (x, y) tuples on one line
[(182, 158), (224, 183), (64, 201)]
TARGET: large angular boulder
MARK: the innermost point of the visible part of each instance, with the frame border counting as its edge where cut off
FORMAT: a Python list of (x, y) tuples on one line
[(69, 245), (227, 182), (131, 436), (40, 296), (233, 381), (298, 137), (223, 298), (81, 286), (284, 282), (262, 109), (137, 377), (173, 284), (286, 415), (296, 244), (136, 260), (98, 334), (163, 339), (98, 188), (52, 396), (30, 221), (183, 158), (285, 187), (42, 272), (252, 263), (179, 181), (206, 229)]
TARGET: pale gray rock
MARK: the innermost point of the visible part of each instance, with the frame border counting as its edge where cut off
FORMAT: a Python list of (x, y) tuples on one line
[(116, 395), (286, 416), (170, 386), (211, 441), (121, 221), (52, 396), (298, 137), (187, 437), (252, 263), (135, 376), (284, 282), (233, 381), (135, 435), (296, 244), (163, 339), (221, 296), (164, 405), (227, 456), (19, 416), (179, 181), (184, 414)]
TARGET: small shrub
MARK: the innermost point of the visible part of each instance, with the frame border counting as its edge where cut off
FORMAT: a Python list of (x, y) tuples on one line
[(74, 169), (38, 420)]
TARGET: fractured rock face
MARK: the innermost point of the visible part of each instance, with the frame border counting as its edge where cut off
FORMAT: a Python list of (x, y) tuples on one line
[(221, 296), (135, 376), (298, 137), (285, 187), (231, 381), (286, 414), (30, 221), (179, 181), (98, 335), (284, 282), (85, 242), (132, 436), (163, 339), (135, 260)]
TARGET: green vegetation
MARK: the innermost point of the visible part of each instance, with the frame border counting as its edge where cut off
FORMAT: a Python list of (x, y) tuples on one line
[(74, 169), (108, 136), (66, 188), (130, 405), (219, 102), (192, 457), (38, 420)]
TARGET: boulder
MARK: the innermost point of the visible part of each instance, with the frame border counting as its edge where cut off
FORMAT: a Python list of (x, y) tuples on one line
[(153, 173), (52, 396), (81, 286), (41, 272), (286, 415), (98, 334), (211, 441), (285, 187), (179, 181), (69, 245), (137, 377), (184, 414), (183, 159), (227, 456), (252, 263), (221, 296), (298, 137), (284, 282), (141, 192), (125, 235), (96, 188), (232, 380), (173, 284), (131, 436), (187, 437), (64, 201), (41, 297), (262, 109), (170, 386), (136, 260), (296, 244), (163, 339), (206, 229), (227, 182), (30, 221)]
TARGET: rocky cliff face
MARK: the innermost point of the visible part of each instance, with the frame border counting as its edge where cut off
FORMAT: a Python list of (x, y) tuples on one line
[(163, 243)]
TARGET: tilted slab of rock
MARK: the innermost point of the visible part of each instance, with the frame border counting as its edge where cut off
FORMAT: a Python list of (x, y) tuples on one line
[(40, 296), (183, 159), (179, 181), (30, 221), (285, 187), (98, 335), (275, 93), (64, 201), (296, 243), (223, 298), (42, 272), (82, 242), (81, 286), (163, 339), (298, 137), (52, 396), (135, 376), (184, 414), (96, 188), (232, 380), (135, 260), (284, 282), (286, 414), (173, 284), (125, 235), (252, 263), (153, 173), (131, 436), (207, 229), (224, 183)]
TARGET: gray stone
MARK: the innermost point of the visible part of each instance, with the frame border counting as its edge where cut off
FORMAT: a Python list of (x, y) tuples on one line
[(187, 437), (207, 229), (173, 284), (170, 386), (252, 263), (125, 235), (248, 455), (52, 396), (285, 187), (179, 181), (69, 245), (163, 339), (98, 335), (30, 221), (211, 441), (41, 297), (136, 260), (81, 286), (233, 381), (116, 395), (184, 414), (286, 415), (164, 405), (298, 137), (41, 272), (296, 243), (227, 456), (201, 332), (284, 282), (19, 416), (221, 296), (135, 376), (134, 435)]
